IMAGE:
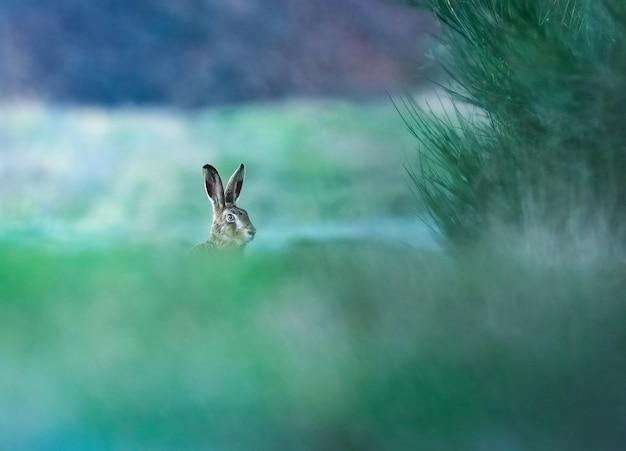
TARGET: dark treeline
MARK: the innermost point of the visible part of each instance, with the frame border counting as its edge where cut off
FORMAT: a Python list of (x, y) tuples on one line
[(205, 52)]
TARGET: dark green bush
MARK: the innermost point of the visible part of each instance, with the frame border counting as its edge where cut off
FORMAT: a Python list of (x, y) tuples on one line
[(544, 84)]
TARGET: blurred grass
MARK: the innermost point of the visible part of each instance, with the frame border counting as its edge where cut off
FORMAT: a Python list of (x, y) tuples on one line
[(320, 347), (111, 337), (91, 173)]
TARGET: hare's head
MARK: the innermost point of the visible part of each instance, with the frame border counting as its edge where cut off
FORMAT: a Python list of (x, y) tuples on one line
[(231, 227)]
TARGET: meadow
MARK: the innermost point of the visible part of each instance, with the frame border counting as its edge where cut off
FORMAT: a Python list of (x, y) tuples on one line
[(345, 326)]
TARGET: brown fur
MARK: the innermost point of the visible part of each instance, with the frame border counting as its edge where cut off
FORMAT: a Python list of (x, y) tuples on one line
[(231, 228)]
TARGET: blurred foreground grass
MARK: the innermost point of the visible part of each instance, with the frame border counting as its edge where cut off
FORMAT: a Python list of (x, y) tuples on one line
[(345, 346)]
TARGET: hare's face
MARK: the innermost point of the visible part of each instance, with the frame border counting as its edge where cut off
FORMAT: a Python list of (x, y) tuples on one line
[(232, 227)]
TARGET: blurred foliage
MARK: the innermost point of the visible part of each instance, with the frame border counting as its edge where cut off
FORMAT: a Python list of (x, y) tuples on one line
[(537, 132), (112, 338), (91, 176), (334, 347)]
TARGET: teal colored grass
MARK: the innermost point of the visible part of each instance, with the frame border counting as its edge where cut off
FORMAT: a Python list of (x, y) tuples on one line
[(113, 337), (324, 347)]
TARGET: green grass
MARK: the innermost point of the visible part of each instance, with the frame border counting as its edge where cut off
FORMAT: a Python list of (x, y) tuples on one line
[(333, 347)]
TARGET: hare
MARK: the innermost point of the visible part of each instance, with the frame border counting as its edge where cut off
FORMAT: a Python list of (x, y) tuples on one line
[(231, 228)]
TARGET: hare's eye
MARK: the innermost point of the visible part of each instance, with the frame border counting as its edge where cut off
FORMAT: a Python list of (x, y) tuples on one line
[(230, 217)]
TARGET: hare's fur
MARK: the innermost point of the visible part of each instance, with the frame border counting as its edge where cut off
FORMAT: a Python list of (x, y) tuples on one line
[(231, 228)]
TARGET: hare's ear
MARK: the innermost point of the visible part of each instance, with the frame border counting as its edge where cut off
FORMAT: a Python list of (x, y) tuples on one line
[(233, 187), (213, 185)]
